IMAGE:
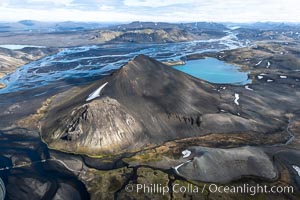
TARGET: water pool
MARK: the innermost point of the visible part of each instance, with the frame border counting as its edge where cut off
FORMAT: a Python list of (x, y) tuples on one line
[(215, 71)]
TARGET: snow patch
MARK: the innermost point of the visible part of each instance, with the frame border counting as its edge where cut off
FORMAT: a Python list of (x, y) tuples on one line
[(96, 93), (186, 153), (269, 80), (258, 63), (268, 64), (177, 167), (260, 77), (297, 169), (237, 97), (283, 76), (248, 88)]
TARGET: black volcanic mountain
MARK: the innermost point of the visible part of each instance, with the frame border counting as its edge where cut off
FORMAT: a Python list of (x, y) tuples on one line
[(143, 103)]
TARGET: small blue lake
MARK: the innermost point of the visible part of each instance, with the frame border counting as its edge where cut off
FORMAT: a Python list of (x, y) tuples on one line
[(215, 71)]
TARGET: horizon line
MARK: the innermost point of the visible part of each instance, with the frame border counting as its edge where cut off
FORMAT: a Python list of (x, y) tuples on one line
[(144, 21)]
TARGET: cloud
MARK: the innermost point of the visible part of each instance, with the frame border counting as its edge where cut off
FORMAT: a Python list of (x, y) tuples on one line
[(37, 3), (106, 8), (54, 4), (150, 10), (154, 4)]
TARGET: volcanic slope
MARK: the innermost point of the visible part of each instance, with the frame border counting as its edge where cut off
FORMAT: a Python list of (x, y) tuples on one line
[(144, 103)]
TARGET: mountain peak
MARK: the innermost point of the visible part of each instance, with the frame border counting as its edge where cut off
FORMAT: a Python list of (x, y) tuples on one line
[(142, 65), (145, 102), (141, 56)]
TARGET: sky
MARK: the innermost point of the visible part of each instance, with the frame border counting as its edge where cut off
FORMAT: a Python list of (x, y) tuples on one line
[(151, 10)]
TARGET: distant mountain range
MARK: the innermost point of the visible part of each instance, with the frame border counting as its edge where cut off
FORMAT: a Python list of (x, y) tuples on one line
[(163, 25), (46, 27), (149, 32), (63, 34), (78, 33), (265, 25)]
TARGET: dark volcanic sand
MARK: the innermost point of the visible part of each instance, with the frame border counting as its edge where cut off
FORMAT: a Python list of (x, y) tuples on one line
[(262, 116)]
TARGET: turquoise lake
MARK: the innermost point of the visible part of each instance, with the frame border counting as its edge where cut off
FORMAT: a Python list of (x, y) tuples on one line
[(215, 71)]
